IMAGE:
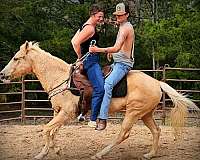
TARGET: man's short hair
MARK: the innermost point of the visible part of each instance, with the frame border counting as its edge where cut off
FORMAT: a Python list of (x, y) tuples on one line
[(95, 8)]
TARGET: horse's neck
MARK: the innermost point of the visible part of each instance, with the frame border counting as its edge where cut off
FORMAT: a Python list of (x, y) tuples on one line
[(49, 70)]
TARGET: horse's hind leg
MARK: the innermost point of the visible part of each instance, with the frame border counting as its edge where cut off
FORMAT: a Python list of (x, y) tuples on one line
[(127, 124), (49, 131), (155, 130)]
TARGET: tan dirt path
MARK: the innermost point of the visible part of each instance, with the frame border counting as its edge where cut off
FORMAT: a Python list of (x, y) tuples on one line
[(79, 142)]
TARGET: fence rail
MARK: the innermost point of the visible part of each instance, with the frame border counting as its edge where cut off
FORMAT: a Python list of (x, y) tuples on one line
[(24, 108)]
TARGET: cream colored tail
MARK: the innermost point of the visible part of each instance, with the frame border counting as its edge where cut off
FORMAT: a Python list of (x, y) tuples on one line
[(181, 105)]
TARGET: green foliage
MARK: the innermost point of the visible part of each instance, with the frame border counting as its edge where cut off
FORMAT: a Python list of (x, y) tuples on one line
[(175, 39), (52, 23), (172, 36)]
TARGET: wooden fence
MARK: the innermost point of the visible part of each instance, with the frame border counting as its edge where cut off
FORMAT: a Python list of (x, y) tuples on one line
[(20, 109)]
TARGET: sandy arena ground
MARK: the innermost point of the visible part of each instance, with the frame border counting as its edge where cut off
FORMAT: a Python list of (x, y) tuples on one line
[(79, 142)]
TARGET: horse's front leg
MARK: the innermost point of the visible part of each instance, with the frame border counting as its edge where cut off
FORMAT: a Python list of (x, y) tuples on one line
[(49, 131), (53, 132)]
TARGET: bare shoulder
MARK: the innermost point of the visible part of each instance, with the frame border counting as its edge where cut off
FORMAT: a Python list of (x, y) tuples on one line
[(86, 32), (127, 28), (128, 25)]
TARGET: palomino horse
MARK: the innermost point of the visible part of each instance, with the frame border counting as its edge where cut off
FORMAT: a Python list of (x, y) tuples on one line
[(143, 95)]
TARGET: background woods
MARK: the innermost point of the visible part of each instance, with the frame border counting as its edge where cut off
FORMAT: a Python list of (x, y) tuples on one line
[(167, 31)]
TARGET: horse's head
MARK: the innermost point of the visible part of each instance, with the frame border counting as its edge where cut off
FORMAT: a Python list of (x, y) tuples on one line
[(19, 65)]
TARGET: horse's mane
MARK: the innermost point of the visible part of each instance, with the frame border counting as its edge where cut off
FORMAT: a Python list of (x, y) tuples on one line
[(35, 46)]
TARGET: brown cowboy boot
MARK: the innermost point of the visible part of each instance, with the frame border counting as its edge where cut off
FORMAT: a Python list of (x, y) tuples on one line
[(101, 125)]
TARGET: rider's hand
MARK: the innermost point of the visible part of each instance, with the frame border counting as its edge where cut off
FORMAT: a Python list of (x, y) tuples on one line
[(93, 49)]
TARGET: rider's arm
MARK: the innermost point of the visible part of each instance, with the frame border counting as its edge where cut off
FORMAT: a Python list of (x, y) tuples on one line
[(121, 37), (80, 37)]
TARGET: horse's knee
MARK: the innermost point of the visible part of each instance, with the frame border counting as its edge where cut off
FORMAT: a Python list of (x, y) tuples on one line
[(46, 130), (156, 131)]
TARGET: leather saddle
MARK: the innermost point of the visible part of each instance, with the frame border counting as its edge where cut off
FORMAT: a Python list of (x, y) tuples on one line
[(84, 88)]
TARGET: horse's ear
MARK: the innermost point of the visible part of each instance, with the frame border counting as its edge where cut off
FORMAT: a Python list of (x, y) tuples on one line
[(26, 45)]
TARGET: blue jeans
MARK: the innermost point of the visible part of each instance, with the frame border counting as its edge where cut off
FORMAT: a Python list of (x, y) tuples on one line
[(118, 72), (95, 76)]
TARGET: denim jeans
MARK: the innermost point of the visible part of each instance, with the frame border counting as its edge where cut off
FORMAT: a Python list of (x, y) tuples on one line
[(95, 76), (118, 72)]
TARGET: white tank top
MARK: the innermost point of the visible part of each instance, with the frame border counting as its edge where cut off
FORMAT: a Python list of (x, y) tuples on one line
[(122, 58)]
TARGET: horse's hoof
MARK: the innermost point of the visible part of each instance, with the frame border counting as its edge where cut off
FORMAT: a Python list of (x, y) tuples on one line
[(147, 156), (40, 156), (96, 157), (81, 118)]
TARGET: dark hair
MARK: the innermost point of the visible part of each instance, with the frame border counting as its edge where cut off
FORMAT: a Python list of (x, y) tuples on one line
[(95, 8)]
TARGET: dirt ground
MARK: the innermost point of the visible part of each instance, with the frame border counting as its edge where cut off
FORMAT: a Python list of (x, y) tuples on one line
[(79, 142)]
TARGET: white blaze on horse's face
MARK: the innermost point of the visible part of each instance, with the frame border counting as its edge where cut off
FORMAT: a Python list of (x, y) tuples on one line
[(19, 65)]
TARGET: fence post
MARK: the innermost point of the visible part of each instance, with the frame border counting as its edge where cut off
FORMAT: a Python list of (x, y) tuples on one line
[(23, 101)]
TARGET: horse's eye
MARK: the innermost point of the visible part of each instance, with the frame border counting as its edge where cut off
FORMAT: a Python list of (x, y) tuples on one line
[(15, 59)]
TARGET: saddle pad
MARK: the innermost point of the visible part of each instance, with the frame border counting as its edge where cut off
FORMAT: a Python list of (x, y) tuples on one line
[(120, 90)]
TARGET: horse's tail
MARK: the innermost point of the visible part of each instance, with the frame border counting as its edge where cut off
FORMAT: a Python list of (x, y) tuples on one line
[(181, 103)]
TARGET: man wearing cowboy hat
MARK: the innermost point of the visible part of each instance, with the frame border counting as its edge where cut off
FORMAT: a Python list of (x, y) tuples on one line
[(122, 53)]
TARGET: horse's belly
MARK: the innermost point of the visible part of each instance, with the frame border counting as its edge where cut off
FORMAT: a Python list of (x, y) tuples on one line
[(117, 104)]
